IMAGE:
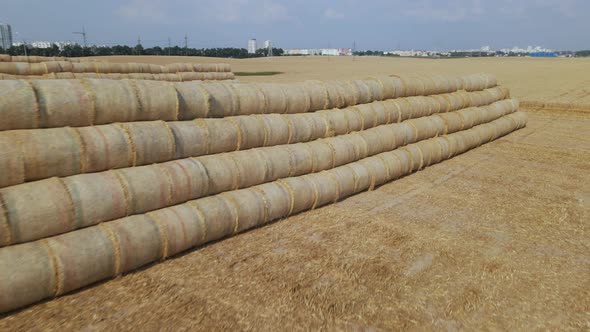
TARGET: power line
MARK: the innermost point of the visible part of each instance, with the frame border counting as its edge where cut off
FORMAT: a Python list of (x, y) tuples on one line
[(83, 33)]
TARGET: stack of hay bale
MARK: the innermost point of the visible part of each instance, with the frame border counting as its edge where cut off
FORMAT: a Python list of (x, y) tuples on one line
[(68, 69), (101, 177)]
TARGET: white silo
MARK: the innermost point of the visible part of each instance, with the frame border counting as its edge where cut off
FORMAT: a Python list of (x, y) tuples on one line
[(252, 46)]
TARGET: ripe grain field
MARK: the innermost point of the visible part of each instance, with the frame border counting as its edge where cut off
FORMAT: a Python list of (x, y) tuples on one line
[(496, 238)]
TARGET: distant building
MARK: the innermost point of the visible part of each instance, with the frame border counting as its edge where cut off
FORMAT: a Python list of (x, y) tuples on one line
[(6, 35), (320, 51), (252, 46), (267, 44)]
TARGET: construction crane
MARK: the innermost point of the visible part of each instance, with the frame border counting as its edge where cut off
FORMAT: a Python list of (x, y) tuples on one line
[(83, 33)]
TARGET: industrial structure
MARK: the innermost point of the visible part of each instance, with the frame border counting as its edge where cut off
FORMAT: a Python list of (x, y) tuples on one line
[(6, 35), (252, 46)]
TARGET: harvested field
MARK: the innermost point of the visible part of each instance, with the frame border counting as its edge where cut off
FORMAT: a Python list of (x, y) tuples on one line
[(496, 238)]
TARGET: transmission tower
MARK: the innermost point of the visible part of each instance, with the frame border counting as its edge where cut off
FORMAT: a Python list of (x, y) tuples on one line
[(169, 46), (185, 45), (83, 33)]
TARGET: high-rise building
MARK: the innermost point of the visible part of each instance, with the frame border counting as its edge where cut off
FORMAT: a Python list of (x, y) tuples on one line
[(252, 46), (6, 35), (267, 44)]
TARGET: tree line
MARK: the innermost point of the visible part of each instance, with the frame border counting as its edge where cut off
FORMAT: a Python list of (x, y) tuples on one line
[(76, 50)]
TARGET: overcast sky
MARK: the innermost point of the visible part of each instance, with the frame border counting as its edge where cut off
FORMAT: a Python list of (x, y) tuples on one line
[(373, 24)]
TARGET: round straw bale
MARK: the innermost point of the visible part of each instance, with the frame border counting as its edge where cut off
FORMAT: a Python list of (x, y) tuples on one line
[(251, 167), (5, 58), (50, 152), (12, 165), (302, 128), (365, 94), (192, 139), (37, 69), (302, 159), (216, 216), (149, 188), (443, 103), (63, 103), (250, 99), (335, 95), (222, 101), (378, 171), (318, 94), (351, 94), (147, 149), (82, 258), (278, 200), (376, 89), (382, 115), (222, 171), (361, 176), (133, 67), (182, 227), (249, 208), (323, 154), (222, 135), (470, 117), (276, 101), (301, 192), (52, 212), (344, 151), (23, 68), (277, 129), (298, 101), (27, 275), (366, 115), (96, 197), (158, 100), (374, 142), (18, 105), (279, 160), (337, 121), (139, 240), (326, 189), (189, 179), (105, 147), (416, 157), (388, 86), (253, 131), (78, 67)]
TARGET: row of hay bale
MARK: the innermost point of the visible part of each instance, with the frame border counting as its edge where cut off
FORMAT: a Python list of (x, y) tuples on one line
[(34, 154), (27, 104), (42, 68), (38, 58), (65, 204), (56, 265), (174, 77)]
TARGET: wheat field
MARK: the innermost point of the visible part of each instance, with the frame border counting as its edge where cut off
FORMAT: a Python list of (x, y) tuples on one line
[(496, 238)]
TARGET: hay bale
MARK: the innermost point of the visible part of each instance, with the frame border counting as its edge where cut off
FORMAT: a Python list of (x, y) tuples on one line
[(9, 68), (318, 95), (114, 101), (275, 98), (335, 95), (12, 165), (250, 99), (157, 100), (146, 149), (298, 101), (222, 101), (194, 101), (52, 212), (18, 105), (134, 241), (63, 103), (27, 275), (365, 94)]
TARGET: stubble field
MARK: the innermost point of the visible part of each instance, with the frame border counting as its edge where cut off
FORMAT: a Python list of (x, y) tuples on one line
[(496, 238)]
